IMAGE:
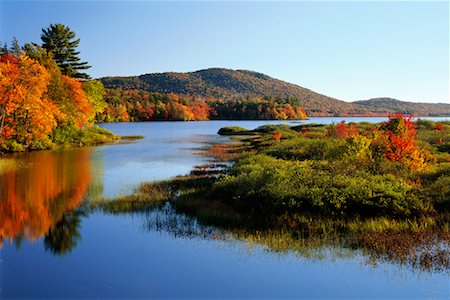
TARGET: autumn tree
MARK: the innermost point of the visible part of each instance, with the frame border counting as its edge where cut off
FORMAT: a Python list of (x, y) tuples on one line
[(399, 140), (60, 41), (95, 91), (79, 101), (27, 113), (342, 130)]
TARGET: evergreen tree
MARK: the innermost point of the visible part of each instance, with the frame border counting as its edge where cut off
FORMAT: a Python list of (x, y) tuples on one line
[(15, 47), (59, 40), (4, 48)]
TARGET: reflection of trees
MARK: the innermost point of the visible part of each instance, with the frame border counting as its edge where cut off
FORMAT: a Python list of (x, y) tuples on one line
[(37, 197), (312, 238), (63, 237)]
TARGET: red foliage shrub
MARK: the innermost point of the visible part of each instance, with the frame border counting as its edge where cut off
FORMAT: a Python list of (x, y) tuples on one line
[(276, 136)]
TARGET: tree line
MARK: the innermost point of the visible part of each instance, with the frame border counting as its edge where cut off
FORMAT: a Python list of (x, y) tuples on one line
[(137, 105)]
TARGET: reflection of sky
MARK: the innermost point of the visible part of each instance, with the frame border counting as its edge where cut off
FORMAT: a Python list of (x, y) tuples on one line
[(117, 260)]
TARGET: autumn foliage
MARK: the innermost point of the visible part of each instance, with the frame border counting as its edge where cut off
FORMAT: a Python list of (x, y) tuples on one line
[(399, 139), (27, 112), (35, 98), (136, 105), (394, 140), (342, 130), (276, 136)]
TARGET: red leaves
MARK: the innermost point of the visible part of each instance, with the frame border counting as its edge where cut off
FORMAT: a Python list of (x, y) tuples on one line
[(276, 136), (440, 127), (9, 58), (400, 141), (342, 130), (25, 109), (394, 140)]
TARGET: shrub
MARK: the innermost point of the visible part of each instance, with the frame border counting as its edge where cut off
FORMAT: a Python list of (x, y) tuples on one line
[(233, 130), (264, 182)]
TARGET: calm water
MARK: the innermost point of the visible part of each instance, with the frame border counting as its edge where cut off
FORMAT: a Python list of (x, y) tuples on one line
[(48, 253)]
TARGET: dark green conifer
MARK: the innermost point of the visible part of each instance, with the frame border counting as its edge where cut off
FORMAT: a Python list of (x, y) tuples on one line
[(60, 41)]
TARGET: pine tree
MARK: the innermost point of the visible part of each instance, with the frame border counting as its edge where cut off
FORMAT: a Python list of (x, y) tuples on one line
[(3, 48), (59, 40), (15, 47)]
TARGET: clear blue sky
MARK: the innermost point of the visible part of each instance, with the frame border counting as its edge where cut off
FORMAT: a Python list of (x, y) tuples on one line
[(347, 50)]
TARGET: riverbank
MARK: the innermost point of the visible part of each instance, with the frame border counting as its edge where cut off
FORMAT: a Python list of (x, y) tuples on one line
[(66, 137)]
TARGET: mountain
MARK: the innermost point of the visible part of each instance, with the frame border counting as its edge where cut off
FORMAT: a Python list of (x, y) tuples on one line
[(228, 84), (390, 105)]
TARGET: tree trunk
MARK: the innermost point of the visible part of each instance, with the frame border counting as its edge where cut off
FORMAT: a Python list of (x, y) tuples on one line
[(2, 122)]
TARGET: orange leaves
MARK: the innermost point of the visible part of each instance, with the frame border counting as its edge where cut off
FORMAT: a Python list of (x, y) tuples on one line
[(145, 106), (399, 140), (394, 140), (28, 113), (342, 130), (200, 110), (81, 109), (440, 127), (276, 136), (400, 133), (35, 99)]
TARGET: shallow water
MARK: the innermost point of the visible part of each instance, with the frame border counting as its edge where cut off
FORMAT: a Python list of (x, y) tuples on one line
[(48, 253)]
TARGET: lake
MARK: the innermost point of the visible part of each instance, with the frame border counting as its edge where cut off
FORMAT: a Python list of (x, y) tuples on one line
[(51, 249)]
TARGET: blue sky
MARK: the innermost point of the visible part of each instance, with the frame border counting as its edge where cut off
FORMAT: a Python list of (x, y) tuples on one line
[(347, 50)]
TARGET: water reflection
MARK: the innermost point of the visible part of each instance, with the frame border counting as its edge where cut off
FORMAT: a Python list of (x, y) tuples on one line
[(36, 197), (65, 235), (315, 239)]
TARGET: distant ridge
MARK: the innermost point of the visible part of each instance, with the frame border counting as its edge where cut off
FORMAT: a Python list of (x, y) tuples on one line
[(389, 105), (229, 84)]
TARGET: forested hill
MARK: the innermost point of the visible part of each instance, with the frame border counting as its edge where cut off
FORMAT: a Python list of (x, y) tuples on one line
[(231, 84), (228, 84), (388, 105)]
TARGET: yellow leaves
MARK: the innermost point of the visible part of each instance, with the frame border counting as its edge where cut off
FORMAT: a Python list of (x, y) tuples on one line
[(82, 108)]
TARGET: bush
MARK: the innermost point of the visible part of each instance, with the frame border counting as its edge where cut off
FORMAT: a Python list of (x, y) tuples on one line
[(439, 191), (265, 182), (233, 130), (42, 145), (11, 146)]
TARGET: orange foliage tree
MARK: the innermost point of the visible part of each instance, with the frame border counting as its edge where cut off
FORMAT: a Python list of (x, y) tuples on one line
[(276, 136), (27, 113), (68, 94), (400, 141), (342, 130)]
